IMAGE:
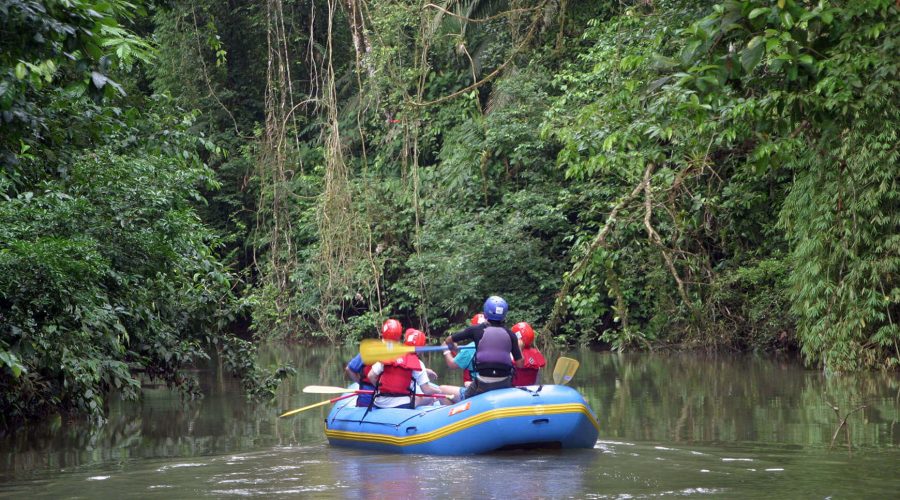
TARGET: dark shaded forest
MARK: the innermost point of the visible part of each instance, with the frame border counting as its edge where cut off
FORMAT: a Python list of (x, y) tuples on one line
[(183, 179)]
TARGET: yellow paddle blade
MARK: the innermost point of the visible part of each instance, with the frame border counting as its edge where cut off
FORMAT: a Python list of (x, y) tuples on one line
[(564, 371), (310, 407), (374, 350), (325, 389)]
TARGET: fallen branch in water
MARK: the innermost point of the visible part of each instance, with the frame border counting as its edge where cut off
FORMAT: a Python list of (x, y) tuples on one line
[(843, 424)]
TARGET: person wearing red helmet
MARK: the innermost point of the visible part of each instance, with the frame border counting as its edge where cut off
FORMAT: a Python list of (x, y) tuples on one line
[(396, 381), (532, 359), (391, 330), (497, 349), (417, 338), (413, 337)]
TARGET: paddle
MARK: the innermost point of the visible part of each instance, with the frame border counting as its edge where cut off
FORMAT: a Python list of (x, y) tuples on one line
[(316, 405), (328, 389), (374, 350), (322, 389), (564, 371)]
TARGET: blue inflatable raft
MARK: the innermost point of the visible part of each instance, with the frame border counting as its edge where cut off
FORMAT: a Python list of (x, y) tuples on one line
[(550, 416)]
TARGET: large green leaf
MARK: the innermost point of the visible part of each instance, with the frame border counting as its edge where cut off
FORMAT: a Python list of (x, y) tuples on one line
[(752, 53)]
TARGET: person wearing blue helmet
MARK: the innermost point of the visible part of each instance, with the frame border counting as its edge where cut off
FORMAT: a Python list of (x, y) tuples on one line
[(497, 349)]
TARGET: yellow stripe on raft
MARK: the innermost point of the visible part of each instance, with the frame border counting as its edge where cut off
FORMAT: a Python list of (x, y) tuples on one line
[(520, 411)]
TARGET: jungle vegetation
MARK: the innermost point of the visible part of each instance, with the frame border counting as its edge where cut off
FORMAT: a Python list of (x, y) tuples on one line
[(641, 173)]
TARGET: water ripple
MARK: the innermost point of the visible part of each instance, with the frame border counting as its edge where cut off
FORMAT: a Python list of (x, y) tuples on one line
[(178, 466)]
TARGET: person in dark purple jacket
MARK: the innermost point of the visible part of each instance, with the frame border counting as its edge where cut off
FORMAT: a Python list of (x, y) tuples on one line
[(497, 349)]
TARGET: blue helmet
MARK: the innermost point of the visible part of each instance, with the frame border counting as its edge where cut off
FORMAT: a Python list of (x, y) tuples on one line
[(495, 308)]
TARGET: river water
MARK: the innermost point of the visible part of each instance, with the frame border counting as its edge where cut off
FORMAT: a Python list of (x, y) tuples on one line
[(670, 425)]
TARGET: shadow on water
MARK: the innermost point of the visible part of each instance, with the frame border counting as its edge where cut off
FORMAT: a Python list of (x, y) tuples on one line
[(671, 425)]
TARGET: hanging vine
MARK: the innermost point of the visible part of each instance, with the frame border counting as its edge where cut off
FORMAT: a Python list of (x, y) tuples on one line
[(340, 250), (275, 170)]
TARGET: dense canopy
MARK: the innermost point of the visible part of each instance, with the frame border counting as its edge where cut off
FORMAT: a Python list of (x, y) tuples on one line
[(715, 174)]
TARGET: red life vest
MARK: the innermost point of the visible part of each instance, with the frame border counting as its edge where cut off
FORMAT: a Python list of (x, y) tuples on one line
[(467, 377), (533, 361), (397, 376)]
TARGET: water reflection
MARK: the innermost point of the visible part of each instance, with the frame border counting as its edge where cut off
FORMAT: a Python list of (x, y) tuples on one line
[(163, 424), (670, 425), (504, 475), (689, 398)]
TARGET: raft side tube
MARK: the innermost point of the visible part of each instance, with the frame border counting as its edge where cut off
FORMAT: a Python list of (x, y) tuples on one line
[(553, 417)]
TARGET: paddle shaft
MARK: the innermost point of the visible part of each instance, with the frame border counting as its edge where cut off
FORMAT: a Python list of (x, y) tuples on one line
[(432, 348), (325, 389), (316, 405), (368, 391), (438, 395)]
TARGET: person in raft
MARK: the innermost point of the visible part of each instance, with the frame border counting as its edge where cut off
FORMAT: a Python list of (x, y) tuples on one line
[(358, 372), (396, 381), (417, 338), (494, 343), (462, 358), (532, 359), (422, 339)]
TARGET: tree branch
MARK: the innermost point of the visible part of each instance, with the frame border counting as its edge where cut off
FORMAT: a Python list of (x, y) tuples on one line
[(654, 237), (559, 306), (531, 31), (483, 19), (843, 424), (206, 78)]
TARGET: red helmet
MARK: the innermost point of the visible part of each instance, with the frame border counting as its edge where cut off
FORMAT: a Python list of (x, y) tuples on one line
[(523, 331), (478, 319), (391, 330), (414, 337)]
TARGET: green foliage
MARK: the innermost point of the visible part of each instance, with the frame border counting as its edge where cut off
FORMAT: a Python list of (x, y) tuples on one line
[(468, 256), (239, 358), (846, 257), (747, 308), (108, 273), (52, 47), (750, 116), (757, 139), (832, 73), (758, 113), (104, 271)]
